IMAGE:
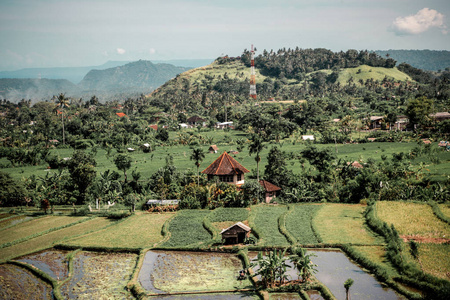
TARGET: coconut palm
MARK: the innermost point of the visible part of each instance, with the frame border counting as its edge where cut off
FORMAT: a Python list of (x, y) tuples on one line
[(197, 155), (256, 146), (62, 102), (302, 262), (347, 284)]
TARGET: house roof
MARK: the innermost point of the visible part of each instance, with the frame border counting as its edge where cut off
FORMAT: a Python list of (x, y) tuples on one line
[(269, 187), (357, 165), (214, 147), (225, 165), (195, 119), (239, 224), (121, 115)]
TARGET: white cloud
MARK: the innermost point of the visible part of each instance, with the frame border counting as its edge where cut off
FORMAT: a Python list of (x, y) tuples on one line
[(152, 51), (422, 21), (121, 51)]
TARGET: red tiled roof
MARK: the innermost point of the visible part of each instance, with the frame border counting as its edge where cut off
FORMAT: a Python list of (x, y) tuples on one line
[(269, 187), (154, 126), (121, 115), (225, 165), (357, 165), (214, 147)]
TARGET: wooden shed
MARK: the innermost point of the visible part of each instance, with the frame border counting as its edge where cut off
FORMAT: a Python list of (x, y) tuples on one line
[(235, 234), (213, 149)]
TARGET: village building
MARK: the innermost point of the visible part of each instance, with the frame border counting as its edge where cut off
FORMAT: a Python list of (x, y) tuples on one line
[(235, 234), (270, 190), (213, 149), (440, 116), (375, 122), (226, 169), (195, 121), (308, 137), (223, 125)]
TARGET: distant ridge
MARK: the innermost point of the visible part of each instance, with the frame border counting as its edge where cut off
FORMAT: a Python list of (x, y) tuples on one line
[(125, 80), (431, 60)]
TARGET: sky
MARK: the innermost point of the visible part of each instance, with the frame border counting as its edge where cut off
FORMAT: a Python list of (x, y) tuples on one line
[(71, 33)]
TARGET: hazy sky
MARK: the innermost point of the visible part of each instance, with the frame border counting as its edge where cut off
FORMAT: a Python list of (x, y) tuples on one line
[(54, 33)]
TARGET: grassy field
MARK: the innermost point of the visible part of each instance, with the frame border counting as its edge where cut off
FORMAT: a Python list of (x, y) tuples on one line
[(430, 254), (50, 239), (365, 72), (412, 219), (445, 209), (266, 222), (34, 227), (148, 163), (142, 230), (344, 223), (186, 229), (299, 222)]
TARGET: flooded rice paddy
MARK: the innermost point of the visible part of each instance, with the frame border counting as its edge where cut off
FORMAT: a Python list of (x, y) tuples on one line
[(13, 220), (100, 275), (53, 262), (178, 271), (334, 268), (18, 283)]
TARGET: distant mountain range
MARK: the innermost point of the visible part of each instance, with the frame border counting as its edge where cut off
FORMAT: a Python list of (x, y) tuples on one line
[(131, 78), (76, 74), (430, 60)]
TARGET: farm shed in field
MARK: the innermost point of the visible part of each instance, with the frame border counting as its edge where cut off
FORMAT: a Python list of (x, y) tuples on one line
[(270, 190), (226, 169), (308, 137), (213, 149), (162, 202), (235, 234)]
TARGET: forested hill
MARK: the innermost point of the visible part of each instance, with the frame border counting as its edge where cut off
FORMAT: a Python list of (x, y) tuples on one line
[(137, 75), (294, 63), (431, 60)]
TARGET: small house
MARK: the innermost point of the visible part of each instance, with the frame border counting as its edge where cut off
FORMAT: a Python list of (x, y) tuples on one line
[(213, 149), (121, 115), (195, 121), (223, 125), (375, 122), (226, 169), (235, 234), (270, 190)]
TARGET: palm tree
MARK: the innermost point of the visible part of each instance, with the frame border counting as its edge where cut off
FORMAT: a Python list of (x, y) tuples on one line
[(303, 263), (62, 102), (197, 155), (347, 284), (256, 146)]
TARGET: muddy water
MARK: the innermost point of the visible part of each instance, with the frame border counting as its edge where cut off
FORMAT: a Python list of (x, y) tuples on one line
[(52, 262), (226, 296), (314, 295), (334, 268), (13, 221), (284, 296), (18, 283)]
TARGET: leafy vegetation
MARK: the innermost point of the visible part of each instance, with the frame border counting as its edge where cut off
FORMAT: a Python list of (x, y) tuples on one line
[(266, 224), (186, 229), (299, 223)]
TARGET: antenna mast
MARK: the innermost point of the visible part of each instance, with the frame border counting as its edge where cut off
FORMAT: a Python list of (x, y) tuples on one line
[(252, 75)]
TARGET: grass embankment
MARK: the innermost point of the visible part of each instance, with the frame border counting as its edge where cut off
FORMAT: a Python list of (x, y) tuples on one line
[(142, 230), (265, 219), (186, 230), (344, 224), (48, 240), (445, 209), (413, 220), (299, 223)]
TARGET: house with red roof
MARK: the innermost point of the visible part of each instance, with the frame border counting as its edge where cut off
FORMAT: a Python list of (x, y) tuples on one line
[(121, 115), (270, 190), (226, 169)]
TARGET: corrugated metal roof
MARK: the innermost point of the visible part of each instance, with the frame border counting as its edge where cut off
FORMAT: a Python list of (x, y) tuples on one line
[(240, 224)]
